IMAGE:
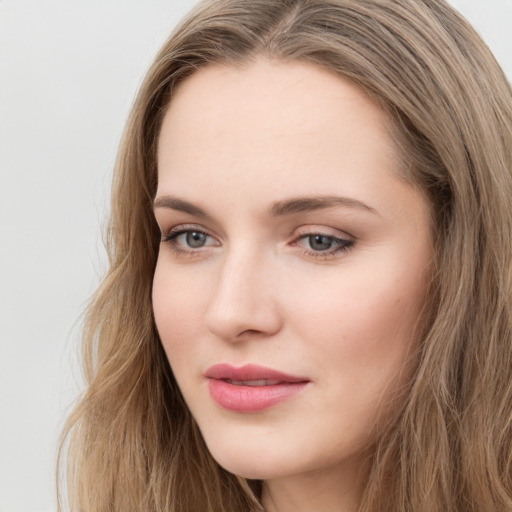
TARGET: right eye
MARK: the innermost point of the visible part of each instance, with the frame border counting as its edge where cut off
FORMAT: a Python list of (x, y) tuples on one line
[(188, 240), (192, 239)]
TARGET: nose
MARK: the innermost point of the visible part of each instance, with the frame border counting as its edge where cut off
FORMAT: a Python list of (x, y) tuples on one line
[(243, 304)]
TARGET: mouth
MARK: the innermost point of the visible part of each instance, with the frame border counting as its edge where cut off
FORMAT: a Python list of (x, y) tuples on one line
[(260, 382), (251, 375), (251, 388)]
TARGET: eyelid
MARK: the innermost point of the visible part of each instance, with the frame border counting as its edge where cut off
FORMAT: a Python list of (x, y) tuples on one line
[(179, 228), (315, 229)]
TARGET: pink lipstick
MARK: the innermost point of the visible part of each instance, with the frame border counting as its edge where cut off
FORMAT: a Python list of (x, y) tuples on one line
[(251, 388)]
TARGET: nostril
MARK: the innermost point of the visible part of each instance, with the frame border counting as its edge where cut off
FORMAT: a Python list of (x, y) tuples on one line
[(250, 332)]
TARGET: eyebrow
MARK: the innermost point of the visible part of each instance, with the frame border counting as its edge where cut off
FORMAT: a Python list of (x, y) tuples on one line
[(308, 204), (278, 209), (180, 205)]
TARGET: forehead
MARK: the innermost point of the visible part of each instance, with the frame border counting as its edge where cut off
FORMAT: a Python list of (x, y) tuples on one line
[(275, 94), (290, 126)]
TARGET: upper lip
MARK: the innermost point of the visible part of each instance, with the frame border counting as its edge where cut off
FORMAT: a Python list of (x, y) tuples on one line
[(250, 372)]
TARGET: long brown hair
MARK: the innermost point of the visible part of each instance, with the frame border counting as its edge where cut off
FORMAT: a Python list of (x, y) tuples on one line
[(131, 443)]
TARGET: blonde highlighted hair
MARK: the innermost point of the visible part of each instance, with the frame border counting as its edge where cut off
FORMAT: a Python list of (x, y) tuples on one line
[(131, 443)]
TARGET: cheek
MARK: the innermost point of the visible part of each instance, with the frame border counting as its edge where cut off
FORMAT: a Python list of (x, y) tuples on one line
[(362, 326), (178, 305)]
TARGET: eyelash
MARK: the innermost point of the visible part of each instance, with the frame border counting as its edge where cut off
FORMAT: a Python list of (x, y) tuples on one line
[(340, 244)]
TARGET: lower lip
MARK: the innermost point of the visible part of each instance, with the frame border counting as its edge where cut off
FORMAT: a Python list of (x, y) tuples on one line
[(251, 398)]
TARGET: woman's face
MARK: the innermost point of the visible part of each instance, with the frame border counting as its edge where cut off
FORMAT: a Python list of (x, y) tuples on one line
[(293, 266)]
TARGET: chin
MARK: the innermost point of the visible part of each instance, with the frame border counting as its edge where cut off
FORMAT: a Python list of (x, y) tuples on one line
[(251, 462)]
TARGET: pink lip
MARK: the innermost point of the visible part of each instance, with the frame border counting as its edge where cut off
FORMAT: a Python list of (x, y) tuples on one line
[(227, 388)]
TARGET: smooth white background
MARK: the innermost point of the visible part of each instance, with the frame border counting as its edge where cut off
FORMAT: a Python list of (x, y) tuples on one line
[(68, 74)]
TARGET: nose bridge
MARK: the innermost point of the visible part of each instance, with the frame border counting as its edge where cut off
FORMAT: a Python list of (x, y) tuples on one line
[(243, 301)]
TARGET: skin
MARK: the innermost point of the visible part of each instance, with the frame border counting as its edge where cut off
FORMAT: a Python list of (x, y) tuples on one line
[(235, 142)]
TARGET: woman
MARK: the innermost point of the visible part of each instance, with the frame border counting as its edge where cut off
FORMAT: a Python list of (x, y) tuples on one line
[(308, 305)]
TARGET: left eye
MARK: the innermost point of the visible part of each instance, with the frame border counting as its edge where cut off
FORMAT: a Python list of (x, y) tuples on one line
[(320, 242), (324, 243)]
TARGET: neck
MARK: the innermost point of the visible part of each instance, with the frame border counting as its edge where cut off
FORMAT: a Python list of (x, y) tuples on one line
[(328, 490)]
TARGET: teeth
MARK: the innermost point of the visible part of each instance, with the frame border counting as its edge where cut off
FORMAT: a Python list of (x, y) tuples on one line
[(261, 382)]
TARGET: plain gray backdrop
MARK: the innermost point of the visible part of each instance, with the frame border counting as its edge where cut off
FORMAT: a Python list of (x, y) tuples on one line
[(68, 74)]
